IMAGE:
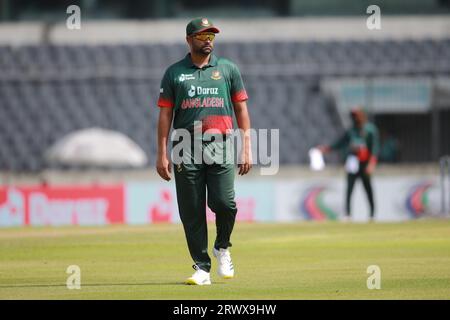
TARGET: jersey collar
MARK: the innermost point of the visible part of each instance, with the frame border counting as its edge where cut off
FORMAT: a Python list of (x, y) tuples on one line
[(212, 61)]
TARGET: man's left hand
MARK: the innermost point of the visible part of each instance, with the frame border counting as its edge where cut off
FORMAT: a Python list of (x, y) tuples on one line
[(246, 162), (371, 166)]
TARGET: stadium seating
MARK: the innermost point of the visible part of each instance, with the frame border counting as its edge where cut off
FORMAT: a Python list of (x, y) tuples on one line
[(47, 91)]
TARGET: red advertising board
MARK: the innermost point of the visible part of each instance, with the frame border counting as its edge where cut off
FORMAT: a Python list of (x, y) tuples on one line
[(61, 205)]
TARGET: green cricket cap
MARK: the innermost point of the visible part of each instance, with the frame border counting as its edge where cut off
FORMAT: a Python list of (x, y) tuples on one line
[(200, 25)]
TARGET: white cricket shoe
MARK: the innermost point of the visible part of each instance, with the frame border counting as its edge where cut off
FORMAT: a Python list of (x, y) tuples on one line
[(199, 278), (225, 269)]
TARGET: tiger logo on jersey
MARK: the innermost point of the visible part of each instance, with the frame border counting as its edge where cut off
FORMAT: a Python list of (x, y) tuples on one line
[(216, 75)]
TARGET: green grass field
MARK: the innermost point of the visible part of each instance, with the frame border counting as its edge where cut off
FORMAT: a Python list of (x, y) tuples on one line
[(273, 261)]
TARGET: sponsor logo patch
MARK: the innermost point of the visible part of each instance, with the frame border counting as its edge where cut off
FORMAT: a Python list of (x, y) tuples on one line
[(200, 90), (184, 77), (191, 91)]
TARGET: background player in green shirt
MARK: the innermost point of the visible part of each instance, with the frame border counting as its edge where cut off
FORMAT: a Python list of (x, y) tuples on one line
[(202, 87), (361, 145)]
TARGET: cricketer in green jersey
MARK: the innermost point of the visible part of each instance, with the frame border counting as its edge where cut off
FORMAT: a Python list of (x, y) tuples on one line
[(209, 90), (361, 143)]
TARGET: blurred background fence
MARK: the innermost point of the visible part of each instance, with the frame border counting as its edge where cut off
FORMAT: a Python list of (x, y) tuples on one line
[(305, 88), (304, 64)]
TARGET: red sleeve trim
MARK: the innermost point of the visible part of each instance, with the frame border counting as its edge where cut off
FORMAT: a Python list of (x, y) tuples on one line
[(239, 96), (165, 103)]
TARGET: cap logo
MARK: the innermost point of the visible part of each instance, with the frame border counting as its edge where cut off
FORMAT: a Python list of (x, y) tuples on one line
[(205, 22)]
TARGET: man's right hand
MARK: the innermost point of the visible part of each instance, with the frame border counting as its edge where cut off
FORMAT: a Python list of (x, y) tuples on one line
[(164, 167)]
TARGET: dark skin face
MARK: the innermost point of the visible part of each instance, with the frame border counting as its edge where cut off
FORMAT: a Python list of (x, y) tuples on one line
[(199, 47), (358, 119)]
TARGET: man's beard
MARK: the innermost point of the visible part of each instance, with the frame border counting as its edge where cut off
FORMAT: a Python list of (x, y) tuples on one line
[(204, 51)]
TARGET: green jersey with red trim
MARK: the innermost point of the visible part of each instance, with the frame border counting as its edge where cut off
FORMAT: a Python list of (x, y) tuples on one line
[(202, 94), (364, 142)]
